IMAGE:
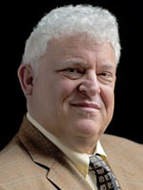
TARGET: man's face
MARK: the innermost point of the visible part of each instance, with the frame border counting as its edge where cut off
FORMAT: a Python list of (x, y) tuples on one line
[(73, 94)]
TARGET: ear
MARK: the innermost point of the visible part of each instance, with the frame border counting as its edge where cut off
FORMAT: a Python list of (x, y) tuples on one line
[(26, 76)]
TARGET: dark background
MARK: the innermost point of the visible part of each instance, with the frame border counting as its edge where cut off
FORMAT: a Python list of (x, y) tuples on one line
[(18, 20)]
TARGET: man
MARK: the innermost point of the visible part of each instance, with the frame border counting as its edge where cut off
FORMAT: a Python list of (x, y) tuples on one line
[(68, 75)]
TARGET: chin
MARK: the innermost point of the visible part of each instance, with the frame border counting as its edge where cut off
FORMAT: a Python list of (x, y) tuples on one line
[(88, 128)]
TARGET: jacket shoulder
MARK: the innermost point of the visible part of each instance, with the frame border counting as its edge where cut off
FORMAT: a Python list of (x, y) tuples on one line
[(121, 148), (123, 142), (16, 166)]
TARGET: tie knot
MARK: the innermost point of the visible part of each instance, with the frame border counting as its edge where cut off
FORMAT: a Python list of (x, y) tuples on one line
[(95, 158), (96, 162)]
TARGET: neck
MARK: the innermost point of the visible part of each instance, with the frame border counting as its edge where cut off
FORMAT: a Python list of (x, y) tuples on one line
[(81, 145)]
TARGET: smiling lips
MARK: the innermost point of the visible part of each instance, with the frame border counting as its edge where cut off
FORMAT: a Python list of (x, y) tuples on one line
[(87, 105)]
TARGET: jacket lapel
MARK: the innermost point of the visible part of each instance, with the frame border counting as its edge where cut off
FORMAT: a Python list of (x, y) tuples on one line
[(47, 155), (61, 176)]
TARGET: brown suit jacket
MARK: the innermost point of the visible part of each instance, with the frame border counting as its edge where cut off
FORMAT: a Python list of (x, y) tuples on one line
[(31, 162)]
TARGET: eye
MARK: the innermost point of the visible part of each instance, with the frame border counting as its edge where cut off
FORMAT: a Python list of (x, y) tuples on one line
[(73, 73), (106, 76), (72, 70)]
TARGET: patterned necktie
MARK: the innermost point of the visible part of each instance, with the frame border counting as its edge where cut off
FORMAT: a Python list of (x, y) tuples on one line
[(105, 178)]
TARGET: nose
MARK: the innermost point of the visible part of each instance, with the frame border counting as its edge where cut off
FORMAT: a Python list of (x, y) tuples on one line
[(90, 85)]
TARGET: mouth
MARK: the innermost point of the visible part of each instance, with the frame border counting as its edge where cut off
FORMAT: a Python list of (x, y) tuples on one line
[(89, 106)]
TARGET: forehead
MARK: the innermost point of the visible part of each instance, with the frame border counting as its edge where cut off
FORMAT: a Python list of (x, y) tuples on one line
[(79, 47)]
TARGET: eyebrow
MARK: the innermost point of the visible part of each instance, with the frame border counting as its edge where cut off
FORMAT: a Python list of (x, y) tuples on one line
[(108, 66), (77, 63)]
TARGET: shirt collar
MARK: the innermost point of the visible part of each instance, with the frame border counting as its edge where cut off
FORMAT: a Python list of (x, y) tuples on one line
[(80, 160)]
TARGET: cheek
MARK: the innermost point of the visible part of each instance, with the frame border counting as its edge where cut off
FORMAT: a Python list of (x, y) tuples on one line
[(107, 95), (66, 88)]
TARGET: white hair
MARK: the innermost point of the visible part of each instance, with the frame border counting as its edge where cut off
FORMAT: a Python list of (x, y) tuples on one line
[(96, 22)]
